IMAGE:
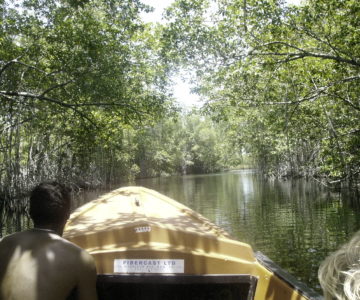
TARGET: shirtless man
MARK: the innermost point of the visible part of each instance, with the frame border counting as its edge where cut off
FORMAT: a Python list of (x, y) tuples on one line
[(38, 264)]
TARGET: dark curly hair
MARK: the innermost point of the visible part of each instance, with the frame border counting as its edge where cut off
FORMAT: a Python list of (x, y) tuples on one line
[(50, 203)]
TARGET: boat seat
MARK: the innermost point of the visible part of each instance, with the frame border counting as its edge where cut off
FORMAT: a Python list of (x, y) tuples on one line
[(176, 287)]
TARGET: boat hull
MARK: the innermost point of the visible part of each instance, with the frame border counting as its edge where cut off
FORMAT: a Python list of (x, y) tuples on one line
[(136, 232)]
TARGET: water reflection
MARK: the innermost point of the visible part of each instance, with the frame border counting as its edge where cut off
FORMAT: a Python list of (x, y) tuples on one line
[(296, 223)]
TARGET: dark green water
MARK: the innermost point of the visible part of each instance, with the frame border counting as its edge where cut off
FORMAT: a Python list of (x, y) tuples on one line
[(295, 223)]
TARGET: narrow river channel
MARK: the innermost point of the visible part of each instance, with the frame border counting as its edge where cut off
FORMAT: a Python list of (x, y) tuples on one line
[(295, 223)]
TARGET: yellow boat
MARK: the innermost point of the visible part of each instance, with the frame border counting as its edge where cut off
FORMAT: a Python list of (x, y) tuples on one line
[(148, 246)]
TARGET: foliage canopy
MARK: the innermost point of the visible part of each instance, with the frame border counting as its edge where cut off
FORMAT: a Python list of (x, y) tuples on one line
[(286, 76)]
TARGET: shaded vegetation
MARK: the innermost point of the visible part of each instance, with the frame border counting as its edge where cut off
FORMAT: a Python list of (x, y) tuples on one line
[(84, 100), (286, 77), (84, 91), (70, 76)]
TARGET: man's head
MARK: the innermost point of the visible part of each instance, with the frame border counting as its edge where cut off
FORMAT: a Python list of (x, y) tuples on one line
[(50, 204)]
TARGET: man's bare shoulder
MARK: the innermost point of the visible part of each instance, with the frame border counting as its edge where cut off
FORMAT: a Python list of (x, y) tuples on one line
[(64, 247), (43, 243), (10, 239), (83, 255), (39, 240)]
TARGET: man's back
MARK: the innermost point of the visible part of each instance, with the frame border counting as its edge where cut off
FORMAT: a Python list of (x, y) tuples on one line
[(40, 265)]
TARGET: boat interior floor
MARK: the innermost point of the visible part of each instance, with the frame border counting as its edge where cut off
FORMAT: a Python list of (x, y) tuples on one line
[(176, 287)]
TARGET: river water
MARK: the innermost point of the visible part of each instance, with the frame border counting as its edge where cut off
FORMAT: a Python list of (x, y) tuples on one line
[(295, 223)]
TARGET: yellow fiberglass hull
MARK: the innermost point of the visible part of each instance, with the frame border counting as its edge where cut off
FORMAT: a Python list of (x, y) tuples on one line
[(130, 228)]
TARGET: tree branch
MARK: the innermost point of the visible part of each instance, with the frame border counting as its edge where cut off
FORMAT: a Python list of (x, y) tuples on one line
[(48, 99), (55, 87), (16, 61), (302, 53), (313, 35)]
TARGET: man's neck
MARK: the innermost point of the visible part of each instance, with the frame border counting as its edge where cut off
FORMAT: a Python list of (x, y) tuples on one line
[(51, 228)]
